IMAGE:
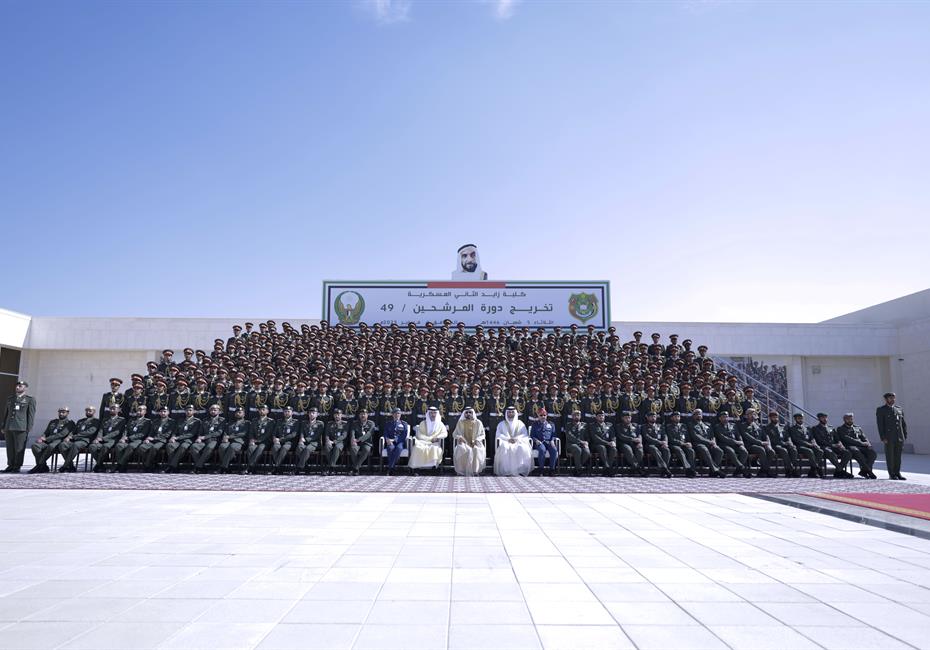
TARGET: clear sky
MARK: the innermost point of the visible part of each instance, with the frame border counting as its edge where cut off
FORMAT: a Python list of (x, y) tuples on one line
[(713, 160)]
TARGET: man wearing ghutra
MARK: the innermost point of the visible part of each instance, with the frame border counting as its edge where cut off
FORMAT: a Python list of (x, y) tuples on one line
[(469, 455), (514, 455), (424, 452)]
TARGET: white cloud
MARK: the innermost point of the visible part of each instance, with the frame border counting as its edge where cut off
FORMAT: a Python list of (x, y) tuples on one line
[(503, 9), (388, 11)]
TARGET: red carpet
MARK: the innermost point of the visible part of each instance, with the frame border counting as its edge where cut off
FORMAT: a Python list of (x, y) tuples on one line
[(912, 505)]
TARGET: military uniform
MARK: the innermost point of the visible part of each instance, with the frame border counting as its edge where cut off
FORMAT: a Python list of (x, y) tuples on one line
[(777, 435), (892, 429), (360, 441), (111, 432), (855, 440), (188, 430), (630, 443), (833, 449), (18, 418), (162, 430), (84, 432), (233, 440), (730, 441), (655, 444), (46, 446), (676, 432), (136, 431), (807, 447), (336, 434), (311, 437), (757, 443), (578, 444), (601, 440), (260, 437), (287, 430)]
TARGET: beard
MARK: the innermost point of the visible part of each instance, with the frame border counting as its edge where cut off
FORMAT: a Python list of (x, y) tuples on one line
[(469, 267)]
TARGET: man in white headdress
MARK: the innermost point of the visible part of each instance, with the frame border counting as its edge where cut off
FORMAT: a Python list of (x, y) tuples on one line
[(514, 453), (469, 454), (467, 264), (425, 452)]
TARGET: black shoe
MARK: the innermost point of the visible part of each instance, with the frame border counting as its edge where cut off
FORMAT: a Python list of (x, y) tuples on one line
[(666, 474), (863, 474), (747, 474), (901, 478), (872, 475)]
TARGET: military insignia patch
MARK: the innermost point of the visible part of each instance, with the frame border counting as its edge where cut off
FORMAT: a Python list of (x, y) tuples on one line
[(583, 306), (349, 307)]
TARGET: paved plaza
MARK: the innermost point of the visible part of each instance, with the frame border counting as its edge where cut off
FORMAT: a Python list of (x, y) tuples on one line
[(275, 570)]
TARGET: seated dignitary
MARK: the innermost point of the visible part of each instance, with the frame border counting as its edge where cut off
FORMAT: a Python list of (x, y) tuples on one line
[(261, 433), (729, 439), (361, 436), (855, 440), (705, 444), (469, 453), (429, 436), (188, 430), (833, 450), (211, 433), (137, 430), (163, 429), (777, 435), (630, 443), (47, 444), (77, 441), (542, 435), (655, 443), (310, 439), (395, 438), (286, 432), (337, 431), (603, 444), (807, 447), (514, 455), (676, 433), (111, 432), (233, 439), (756, 442), (577, 442)]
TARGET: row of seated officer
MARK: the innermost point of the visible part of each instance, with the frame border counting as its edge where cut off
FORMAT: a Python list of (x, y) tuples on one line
[(288, 445)]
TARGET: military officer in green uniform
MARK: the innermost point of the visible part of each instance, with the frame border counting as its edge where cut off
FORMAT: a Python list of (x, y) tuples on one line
[(260, 437), (601, 437), (137, 430), (84, 431), (336, 433), (286, 432), (679, 445), (18, 418), (361, 433), (781, 443), (179, 443), (577, 440), (111, 432), (233, 439), (729, 439), (855, 440), (311, 437), (706, 449), (892, 429), (806, 445), (47, 444), (162, 430), (655, 443), (833, 450), (112, 396), (630, 442), (756, 442), (212, 430)]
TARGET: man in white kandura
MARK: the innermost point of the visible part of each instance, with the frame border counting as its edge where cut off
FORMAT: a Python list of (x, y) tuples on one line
[(514, 454), (469, 454), (423, 452)]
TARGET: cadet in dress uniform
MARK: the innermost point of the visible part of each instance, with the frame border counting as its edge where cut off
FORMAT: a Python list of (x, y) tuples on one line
[(729, 439), (238, 398), (137, 429), (361, 434), (395, 438), (757, 442), (679, 445), (833, 449), (278, 401), (212, 430), (112, 396), (111, 432), (655, 443), (892, 429), (705, 444), (84, 432), (201, 399), (257, 398), (301, 400), (855, 440), (179, 400), (286, 432), (233, 440), (336, 433), (47, 444), (806, 445), (188, 430), (311, 437), (577, 442)]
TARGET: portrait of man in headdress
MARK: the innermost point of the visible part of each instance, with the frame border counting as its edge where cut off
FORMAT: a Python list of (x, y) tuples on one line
[(468, 264)]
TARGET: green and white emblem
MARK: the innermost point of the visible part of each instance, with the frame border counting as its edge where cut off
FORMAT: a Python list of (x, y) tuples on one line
[(583, 306)]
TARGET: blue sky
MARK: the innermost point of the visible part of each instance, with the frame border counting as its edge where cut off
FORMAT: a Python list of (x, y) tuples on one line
[(714, 161)]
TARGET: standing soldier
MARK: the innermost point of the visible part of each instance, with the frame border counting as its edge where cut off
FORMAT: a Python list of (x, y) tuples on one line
[(133, 400), (112, 396), (179, 400), (238, 398), (257, 399), (55, 433), (201, 399), (892, 429), (84, 431), (188, 430), (300, 402), (279, 400), (111, 432), (855, 440)]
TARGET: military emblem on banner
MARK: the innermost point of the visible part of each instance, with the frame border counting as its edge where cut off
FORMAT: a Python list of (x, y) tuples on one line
[(583, 306), (349, 307)]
